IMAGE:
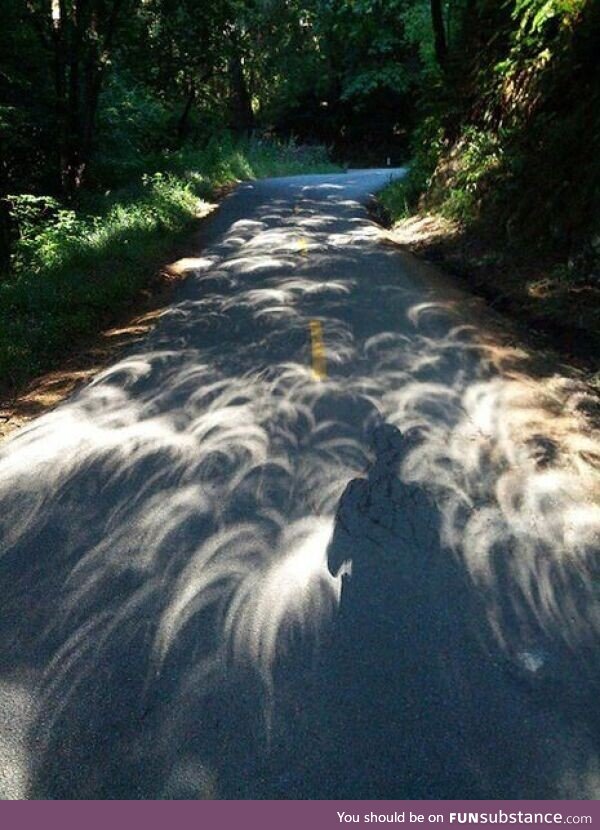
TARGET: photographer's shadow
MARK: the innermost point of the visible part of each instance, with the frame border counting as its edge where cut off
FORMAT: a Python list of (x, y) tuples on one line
[(419, 704)]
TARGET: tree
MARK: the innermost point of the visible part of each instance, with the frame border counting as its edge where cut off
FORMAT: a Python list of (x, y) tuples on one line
[(77, 37), (439, 32), (179, 52)]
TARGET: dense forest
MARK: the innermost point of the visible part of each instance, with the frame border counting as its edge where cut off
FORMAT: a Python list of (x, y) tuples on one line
[(117, 115)]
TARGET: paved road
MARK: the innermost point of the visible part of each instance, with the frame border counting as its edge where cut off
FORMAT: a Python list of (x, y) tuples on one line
[(170, 627)]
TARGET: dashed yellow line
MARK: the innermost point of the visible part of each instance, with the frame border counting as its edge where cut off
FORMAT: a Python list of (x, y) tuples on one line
[(319, 365)]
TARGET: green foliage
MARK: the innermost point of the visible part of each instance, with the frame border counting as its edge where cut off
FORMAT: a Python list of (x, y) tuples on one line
[(365, 42), (401, 198), (225, 159), (419, 34), (476, 159), (396, 200), (392, 76), (71, 269), (509, 143), (460, 204), (132, 127), (533, 16)]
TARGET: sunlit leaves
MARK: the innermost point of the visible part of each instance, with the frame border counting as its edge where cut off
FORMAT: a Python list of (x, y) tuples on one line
[(533, 15)]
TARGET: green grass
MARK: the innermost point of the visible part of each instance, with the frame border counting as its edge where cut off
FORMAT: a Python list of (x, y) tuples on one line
[(74, 269), (395, 198)]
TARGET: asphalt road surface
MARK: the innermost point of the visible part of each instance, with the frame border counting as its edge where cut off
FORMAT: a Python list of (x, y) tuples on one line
[(329, 531)]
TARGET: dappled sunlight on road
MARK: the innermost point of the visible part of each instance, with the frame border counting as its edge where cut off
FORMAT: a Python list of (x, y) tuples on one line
[(515, 468), (168, 525)]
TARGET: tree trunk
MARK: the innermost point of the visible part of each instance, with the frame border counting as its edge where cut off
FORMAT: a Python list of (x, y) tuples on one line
[(439, 33), (5, 218), (182, 126), (242, 117), (5, 234), (59, 72)]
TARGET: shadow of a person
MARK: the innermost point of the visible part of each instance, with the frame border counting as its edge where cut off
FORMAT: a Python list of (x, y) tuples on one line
[(383, 528), (419, 705), (395, 622)]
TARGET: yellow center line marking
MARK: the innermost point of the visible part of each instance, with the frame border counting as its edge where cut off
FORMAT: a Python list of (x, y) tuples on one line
[(319, 365)]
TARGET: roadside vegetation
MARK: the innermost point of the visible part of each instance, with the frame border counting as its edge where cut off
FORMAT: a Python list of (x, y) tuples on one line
[(507, 154), (125, 115)]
